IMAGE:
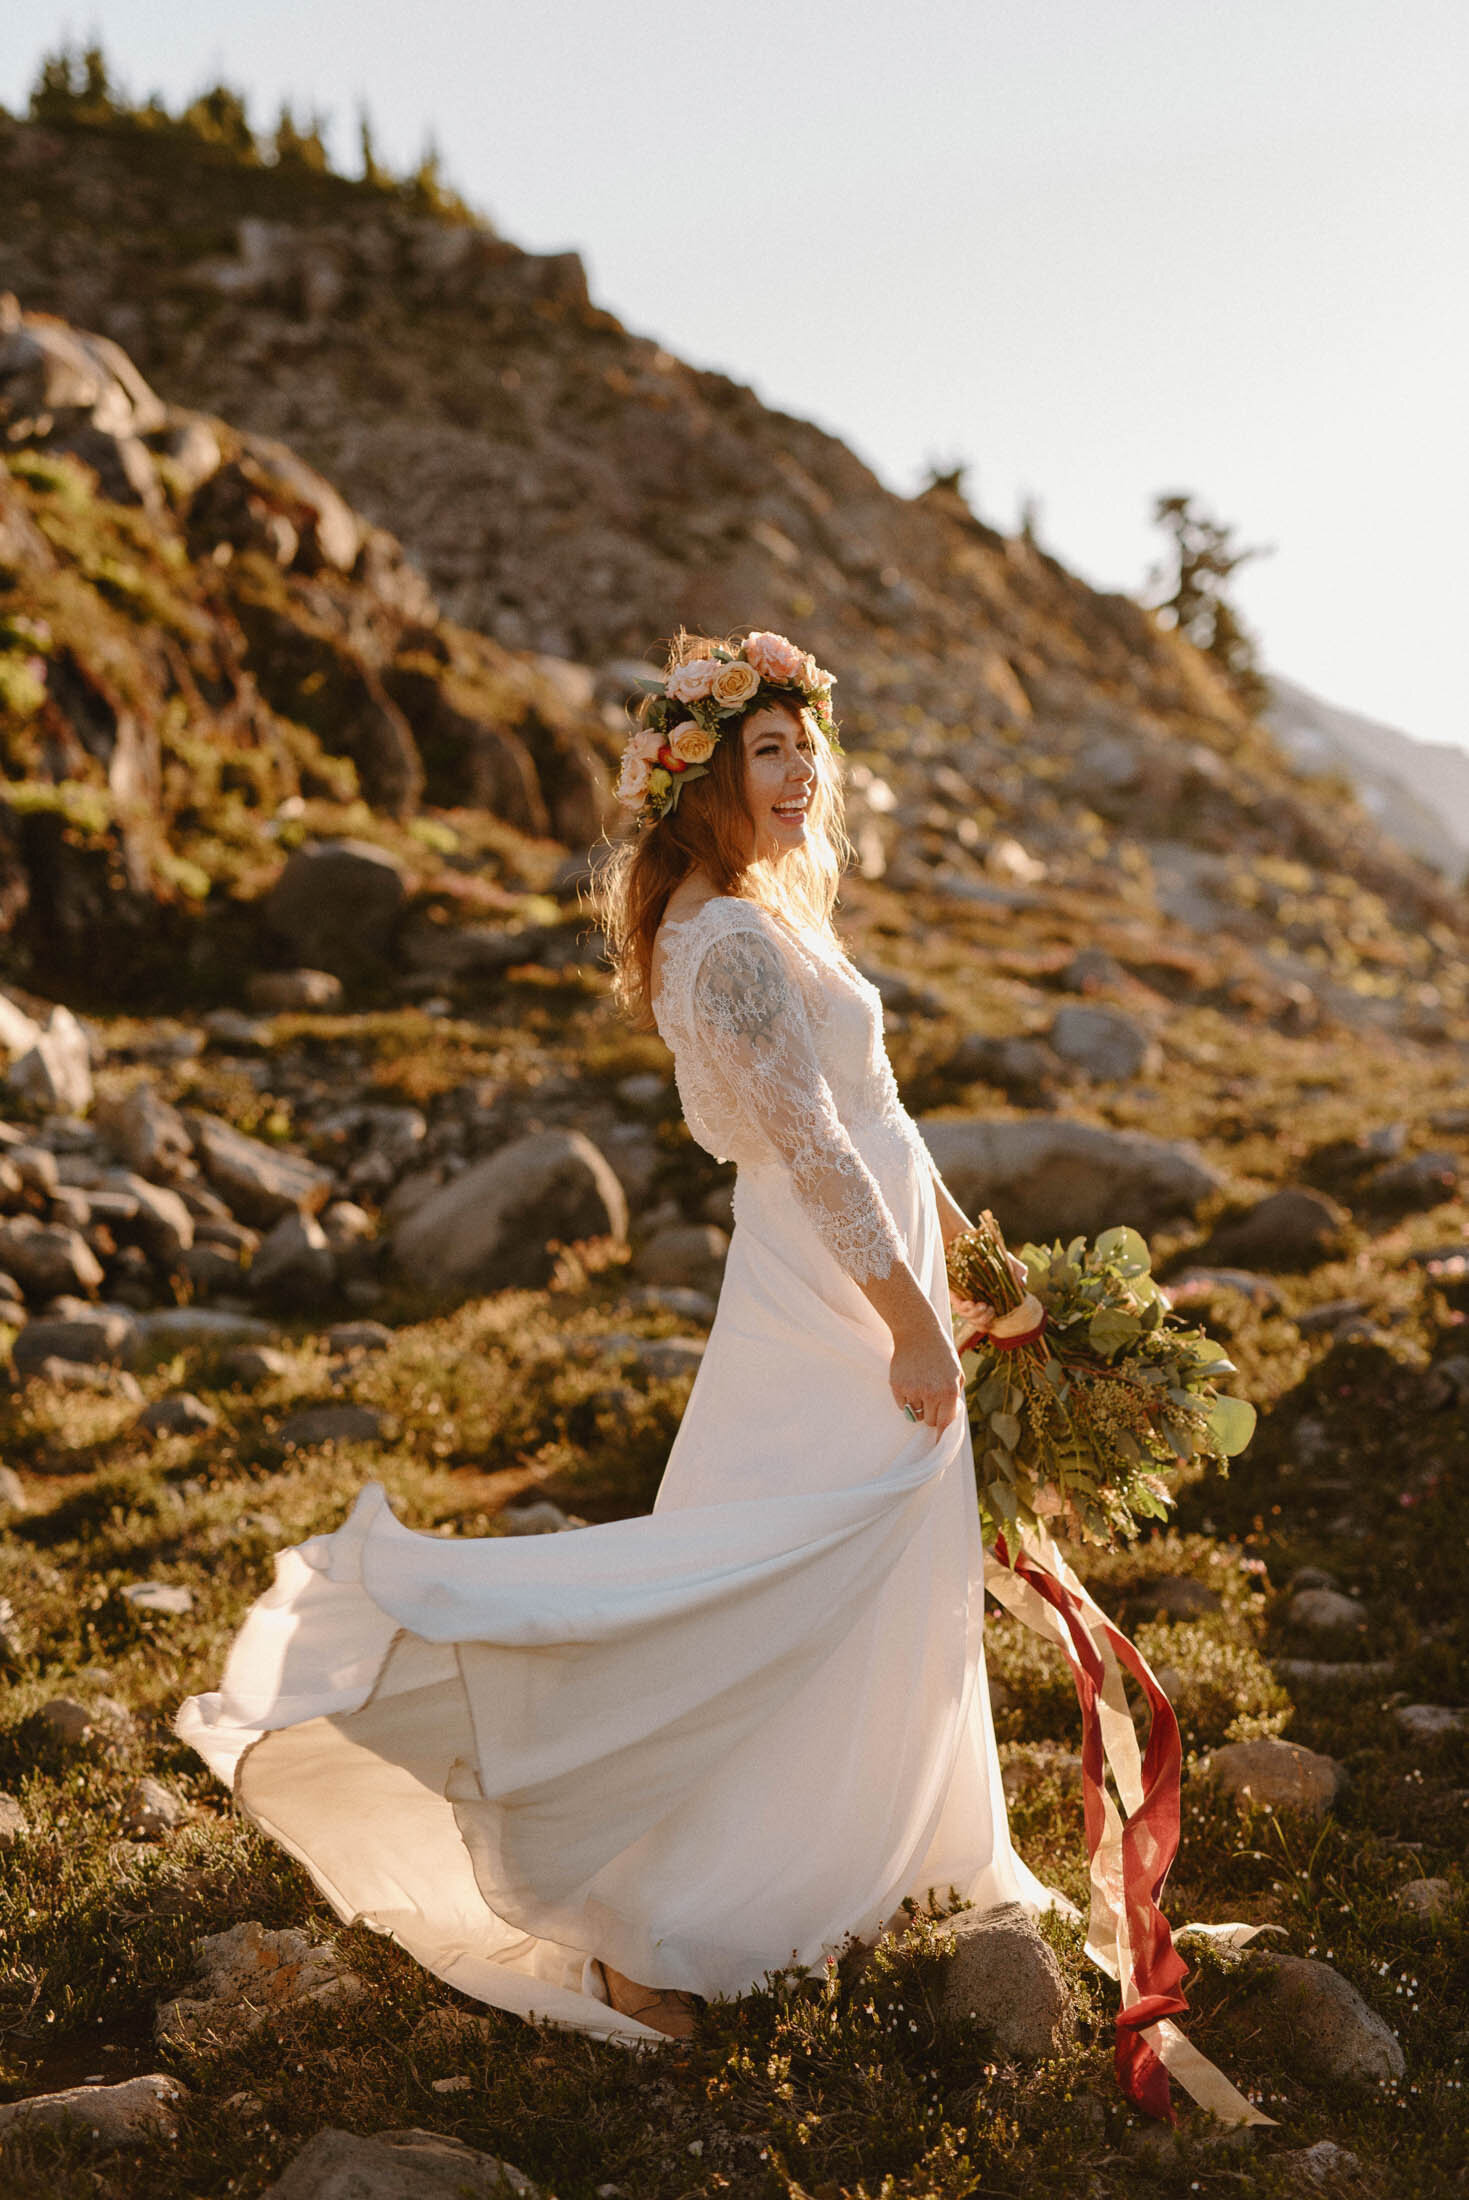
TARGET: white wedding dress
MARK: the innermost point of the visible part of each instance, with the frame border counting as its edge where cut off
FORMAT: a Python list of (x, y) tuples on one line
[(718, 1738)]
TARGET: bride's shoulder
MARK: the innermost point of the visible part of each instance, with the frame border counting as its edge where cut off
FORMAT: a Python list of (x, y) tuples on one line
[(707, 916)]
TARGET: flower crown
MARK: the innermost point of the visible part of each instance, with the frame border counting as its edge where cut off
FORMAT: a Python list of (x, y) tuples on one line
[(688, 711)]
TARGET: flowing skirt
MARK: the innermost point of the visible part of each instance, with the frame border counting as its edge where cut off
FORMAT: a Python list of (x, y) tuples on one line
[(699, 1744)]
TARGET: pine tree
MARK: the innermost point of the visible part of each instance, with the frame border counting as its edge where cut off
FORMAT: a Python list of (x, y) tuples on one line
[(1204, 558), (55, 93), (373, 172), (296, 146), (219, 117)]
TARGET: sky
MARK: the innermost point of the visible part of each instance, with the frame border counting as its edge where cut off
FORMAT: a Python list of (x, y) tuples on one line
[(1091, 249)]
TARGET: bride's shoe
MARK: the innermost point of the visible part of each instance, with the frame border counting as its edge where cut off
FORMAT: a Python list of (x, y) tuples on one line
[(666, 2009)]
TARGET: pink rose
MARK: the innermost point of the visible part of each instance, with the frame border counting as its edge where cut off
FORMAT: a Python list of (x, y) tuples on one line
[(632, 783), (774, 658), (691, 682), (646, 743), (735, 684)]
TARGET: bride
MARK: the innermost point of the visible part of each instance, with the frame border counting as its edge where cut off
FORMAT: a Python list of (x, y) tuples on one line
[(591, 1777)]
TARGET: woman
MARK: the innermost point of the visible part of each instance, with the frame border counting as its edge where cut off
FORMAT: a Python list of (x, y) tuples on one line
[(590, 1777)]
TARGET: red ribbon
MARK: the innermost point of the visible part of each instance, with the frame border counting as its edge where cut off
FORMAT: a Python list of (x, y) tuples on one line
[(1150, 1836)]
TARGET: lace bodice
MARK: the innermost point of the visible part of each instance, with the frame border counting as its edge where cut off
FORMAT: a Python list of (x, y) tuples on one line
[(779, 1060)]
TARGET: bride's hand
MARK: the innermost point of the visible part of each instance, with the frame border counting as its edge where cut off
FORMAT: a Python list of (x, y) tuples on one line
[(924, 1373)]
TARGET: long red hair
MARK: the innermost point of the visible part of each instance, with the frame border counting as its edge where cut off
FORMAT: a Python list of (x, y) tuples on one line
[(710, 827)]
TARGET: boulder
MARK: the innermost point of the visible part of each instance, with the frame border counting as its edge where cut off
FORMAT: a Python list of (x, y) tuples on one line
[(246, 1975), (106, 1723), (1036, 1762), (491, 1227), (1431, 1722), (1326, 1612), (1025, 1068), (181, 1328), (133, 2114), (1276, 1775), (1003, 1973), (1411, 1186), (688, 1253), (397, 2165), (47, 1258), (293, 992), (1175, 1596), (347, 1225), (18, 1030), (37, 1168), (148, 1134), (359, 1337), (1291, 1229), (260, 1182), (55, 1074), (1322, 2164), (82, 1375), (1428, 1898), (1045, 1177), (149, 1810), (336, 902), (1104, 1042), (107, 1336), (344, 1424), (211, 1272), (257, 1364), (162, 1223), (1329, 2029), (673, 1298), (1333, 1672), (169, 1599), (294, 1267), (538, 1518)]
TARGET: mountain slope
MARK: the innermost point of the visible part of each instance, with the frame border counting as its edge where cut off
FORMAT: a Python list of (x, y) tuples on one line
[(1418, 791), (576, 492)]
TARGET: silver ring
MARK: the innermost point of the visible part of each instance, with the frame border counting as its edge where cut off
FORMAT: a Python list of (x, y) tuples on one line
[(911, 1414)]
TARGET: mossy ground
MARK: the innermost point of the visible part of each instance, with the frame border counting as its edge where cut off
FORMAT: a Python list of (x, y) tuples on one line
[(840, 2088)]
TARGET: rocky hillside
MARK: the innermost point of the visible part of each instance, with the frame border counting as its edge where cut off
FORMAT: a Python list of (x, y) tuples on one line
[(568, 488), (205, 652)]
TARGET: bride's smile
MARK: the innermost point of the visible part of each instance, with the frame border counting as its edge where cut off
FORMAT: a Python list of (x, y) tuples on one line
[(781, 775)]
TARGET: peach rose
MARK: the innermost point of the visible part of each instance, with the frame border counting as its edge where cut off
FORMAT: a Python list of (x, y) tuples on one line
[(690, 743), (814, 679), (632, 782), (735, 684), (646, 743), (691, 682), (774, 658)]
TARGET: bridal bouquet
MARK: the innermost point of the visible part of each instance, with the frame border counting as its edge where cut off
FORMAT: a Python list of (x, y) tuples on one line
[(1083, 1388)]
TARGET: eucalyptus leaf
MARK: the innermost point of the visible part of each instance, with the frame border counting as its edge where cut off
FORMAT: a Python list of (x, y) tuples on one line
[(1124, 1249), (1007, 1427), (1110, 1329), (1231, 1424)]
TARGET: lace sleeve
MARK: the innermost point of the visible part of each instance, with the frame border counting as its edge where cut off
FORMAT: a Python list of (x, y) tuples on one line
[(750, 1019)]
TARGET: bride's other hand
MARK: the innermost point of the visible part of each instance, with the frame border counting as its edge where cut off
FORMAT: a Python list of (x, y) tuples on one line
[(924, 1373)]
